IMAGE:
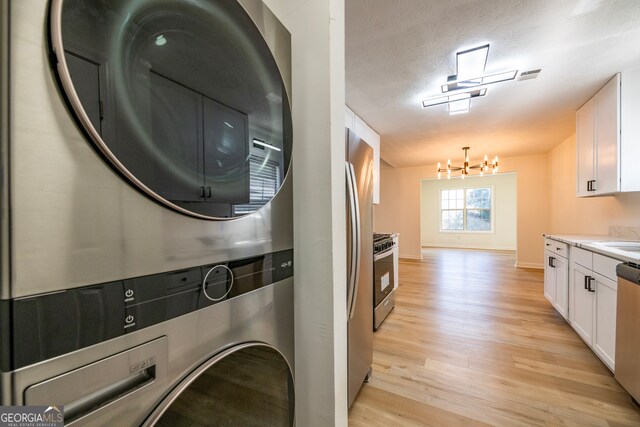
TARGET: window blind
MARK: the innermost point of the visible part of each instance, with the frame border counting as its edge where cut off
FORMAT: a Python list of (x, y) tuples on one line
[(264, 181)]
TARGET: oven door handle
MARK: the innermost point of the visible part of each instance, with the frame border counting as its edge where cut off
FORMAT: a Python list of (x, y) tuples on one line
[(356, 249), (384, 254)]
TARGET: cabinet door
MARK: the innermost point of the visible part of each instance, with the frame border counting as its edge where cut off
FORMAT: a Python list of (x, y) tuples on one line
[(604, 337), (561, 301), (583, 301), (585, 135), (549, 277), (608, 138), (226, 146)]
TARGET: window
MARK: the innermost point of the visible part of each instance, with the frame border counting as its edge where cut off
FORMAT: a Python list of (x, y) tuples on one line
[(264, 181), (466, 209)]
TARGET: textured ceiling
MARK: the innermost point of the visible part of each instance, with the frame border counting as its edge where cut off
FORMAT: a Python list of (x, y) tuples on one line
[(399, 52)]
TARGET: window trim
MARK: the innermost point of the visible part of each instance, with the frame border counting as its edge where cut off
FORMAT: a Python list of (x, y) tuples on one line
[(464, 210)]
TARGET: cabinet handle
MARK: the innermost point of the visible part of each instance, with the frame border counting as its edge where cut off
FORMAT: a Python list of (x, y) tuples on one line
[(548, 244), (588, 185), (586, 282), (202, 192), (589, 284), (209, 192), (558, 249), (551, 262)]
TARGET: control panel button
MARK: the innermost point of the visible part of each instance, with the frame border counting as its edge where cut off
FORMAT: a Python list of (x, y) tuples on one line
[(217, 283)]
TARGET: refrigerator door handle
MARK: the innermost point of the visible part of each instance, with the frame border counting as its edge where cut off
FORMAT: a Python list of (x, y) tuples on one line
[(358, 240), (353, 237)]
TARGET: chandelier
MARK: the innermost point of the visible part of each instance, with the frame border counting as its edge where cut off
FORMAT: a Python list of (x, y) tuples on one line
[(484, 166)]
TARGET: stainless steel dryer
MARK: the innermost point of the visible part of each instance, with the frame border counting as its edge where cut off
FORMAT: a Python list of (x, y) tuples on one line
[(146, 245)]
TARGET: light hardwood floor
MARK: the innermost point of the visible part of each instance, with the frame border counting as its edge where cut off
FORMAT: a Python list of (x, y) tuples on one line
[(472, 341)]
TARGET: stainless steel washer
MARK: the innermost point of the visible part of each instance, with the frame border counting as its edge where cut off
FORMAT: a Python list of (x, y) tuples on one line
[(146, 205)]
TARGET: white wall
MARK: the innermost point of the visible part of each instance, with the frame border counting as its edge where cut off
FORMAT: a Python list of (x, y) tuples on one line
[(399, 208), (317, 31), (504, 212)]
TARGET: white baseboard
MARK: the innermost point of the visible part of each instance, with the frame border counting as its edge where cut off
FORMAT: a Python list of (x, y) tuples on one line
[(484, 248), (533, 265), (404, 256)]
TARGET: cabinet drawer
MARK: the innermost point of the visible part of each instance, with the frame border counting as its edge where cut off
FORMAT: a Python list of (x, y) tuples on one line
[(605, 266), (582, 257), (556, 247), (561, 249), (548, 243)]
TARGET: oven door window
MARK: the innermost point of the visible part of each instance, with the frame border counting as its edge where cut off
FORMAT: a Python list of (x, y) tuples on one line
[(178, 95), (252, 386), (383, 276)]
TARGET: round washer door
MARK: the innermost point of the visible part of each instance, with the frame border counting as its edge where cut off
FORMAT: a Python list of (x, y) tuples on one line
[(247, 385), (184, 98)]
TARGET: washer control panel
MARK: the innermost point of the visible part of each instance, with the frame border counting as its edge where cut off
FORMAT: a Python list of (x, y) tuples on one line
[(45, 326)]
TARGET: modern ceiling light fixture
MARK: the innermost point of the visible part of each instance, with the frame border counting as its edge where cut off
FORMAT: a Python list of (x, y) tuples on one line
[(483, 166), (470, 78), (454, 82), (454, 96)]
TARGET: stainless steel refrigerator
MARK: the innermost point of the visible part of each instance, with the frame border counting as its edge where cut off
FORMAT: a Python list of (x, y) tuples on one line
[(359, 174)]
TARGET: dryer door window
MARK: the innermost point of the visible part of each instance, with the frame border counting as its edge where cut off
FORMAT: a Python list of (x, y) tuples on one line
[(179, 96), (250, 386)]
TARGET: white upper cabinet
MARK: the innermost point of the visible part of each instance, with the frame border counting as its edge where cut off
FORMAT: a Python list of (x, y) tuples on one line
[(357, 125), (630, 136), (607, 133), (585, 140), (607, 148)]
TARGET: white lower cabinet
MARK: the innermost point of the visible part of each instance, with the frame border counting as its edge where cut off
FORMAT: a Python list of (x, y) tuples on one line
[(561, 302), (581, 310), (604, 337), (592, 303), (556, 278)]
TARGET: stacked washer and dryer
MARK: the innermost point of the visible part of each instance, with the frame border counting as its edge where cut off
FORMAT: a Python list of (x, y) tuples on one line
[(146, 231)]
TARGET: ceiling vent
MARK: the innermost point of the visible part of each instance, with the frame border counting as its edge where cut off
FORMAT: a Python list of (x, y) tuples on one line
[(529, 75)]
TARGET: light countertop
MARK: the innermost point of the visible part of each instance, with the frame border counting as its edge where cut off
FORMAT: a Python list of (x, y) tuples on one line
[(594, 243)]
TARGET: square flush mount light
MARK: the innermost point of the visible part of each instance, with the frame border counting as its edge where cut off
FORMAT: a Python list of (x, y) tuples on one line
[(458, 95), (469, 81), (487, 79), (459, 107), (471, 63)]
